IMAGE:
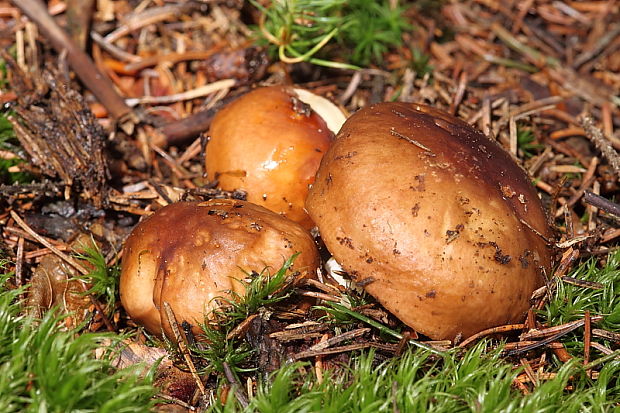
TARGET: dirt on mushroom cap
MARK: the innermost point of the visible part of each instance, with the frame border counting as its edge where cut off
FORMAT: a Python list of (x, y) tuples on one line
[(440, 219), (189, 253)]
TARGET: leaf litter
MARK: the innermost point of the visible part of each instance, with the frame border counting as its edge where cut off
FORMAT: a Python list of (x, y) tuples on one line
[(540, 77)]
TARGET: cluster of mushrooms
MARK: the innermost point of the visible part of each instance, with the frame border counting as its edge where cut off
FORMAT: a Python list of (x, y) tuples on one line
[(435, 220)]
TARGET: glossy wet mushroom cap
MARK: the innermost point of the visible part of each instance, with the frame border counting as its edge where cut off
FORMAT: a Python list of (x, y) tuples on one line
[(437, 220), (269, 143), (189, 253)]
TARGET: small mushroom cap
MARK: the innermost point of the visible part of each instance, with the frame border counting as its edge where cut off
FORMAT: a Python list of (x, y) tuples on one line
[(436, 218), (189, 253), (270, 143)]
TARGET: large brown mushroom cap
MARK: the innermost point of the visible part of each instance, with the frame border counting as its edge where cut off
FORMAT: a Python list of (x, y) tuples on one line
[(269, 143), (189, 253), (437, 218)]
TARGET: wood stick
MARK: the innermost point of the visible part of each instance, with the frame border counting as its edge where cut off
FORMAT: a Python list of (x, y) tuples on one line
[(598, 201), (98, 83), (601, 142), (79, 16), (174, 326)]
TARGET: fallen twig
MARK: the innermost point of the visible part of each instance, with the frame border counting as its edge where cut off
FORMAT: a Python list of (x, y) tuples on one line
[(489, 331), (93, 78), (598, 201), (187, 95), (602, 143), (237, 388), (174, 326), (343, 349)]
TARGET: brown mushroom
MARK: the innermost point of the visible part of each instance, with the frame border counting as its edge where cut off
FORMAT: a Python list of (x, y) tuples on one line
[(433, 218), (188, 253), (269, 143)]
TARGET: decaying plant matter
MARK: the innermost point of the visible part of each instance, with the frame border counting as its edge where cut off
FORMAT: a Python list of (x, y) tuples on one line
[(539, 78), (60, 134)]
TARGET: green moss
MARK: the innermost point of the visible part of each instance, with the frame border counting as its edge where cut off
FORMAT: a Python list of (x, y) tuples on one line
[(46, 368), (318, 31)]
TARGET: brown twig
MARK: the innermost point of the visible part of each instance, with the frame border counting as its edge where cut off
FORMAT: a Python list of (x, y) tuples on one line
[(460, 92), (170, 57), (601, 142), (295, 334), (343, 349), (174, 326), (528, 347), (582, 283), (349, 335), (489, 331), (45, 242), (587, 338), (318, 363), (531, 54), (322, 296), (19, 261), (241, 328), (598, 201), (326, 288), (179, 131), (93, 78), (556, 332), (354, 83), (113, 50), (200, 91), (529, 371), (402, 343), (136, 21), (607, 335), (79, 14), (177, 401), (586, 182), (601, 348), (602, 42), (562, 328), (237, 388)]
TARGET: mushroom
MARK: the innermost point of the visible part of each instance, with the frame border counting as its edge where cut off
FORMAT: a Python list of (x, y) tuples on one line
[(269, 143), (189, 253), (434, 219)]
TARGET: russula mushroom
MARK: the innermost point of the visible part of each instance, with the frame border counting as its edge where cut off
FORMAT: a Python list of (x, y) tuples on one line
[(434, 219), (189, 253), (269, 143)]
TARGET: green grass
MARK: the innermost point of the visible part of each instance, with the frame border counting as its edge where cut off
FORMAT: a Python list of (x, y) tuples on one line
[(570, 302), (479, 379), (318, 31), (46, 368), (526, 142), (3, 70), (262, 290), (103, 279), (420, 62)]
